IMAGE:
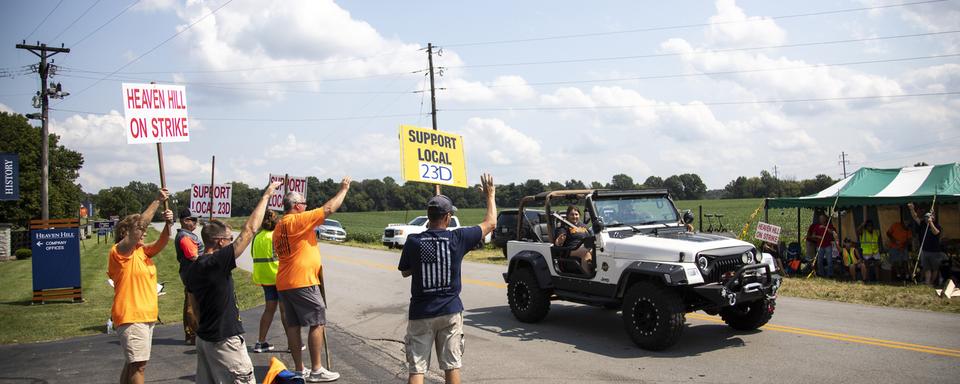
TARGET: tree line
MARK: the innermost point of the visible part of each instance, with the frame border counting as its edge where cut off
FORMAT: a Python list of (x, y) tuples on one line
[(18, 136), (385, 194)]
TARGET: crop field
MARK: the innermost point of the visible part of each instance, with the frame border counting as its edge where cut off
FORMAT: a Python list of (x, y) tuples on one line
[(368, 226), (735, 213)]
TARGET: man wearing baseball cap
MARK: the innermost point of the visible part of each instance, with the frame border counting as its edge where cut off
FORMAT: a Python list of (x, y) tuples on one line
[(188, 246), (433, 259)]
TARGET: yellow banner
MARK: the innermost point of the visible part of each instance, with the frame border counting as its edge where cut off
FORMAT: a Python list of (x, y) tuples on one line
[(434, 157)]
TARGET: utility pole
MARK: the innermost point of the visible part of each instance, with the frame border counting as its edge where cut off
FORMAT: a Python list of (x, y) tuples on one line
[(776, 178), (433, 100), (843, 163), (44, 52)]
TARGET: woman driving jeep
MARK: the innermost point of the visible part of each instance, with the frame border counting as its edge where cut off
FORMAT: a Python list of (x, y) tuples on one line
[(573, 236)]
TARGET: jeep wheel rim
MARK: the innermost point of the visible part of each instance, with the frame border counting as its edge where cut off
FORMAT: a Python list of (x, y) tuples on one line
[(645, 317), (521, 296)]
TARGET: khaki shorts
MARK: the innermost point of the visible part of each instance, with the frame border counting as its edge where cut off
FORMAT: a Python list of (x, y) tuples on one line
[(443, 332), (135, 339), (224, 361)]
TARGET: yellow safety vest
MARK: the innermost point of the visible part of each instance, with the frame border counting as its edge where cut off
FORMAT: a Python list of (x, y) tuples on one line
[(265, 262), (849, 257), (870, 242)]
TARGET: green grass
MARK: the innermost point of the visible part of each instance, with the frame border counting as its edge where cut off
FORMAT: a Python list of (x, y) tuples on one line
[(23, 322), (914, 296)]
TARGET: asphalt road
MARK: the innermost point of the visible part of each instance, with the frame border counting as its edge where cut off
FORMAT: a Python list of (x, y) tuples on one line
[(807, 340)]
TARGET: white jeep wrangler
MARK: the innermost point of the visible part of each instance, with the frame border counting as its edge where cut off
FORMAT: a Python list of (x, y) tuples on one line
[(645, 262)]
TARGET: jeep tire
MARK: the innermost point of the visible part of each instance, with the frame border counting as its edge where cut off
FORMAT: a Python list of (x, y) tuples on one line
[(748, 316), (653, 316), (528, 302)]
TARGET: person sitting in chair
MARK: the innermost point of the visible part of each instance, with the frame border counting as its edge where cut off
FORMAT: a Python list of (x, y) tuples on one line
[(852, 260), (573, 237)]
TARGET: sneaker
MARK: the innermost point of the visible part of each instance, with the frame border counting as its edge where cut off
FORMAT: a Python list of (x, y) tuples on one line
[(321, 375), (262, 347)]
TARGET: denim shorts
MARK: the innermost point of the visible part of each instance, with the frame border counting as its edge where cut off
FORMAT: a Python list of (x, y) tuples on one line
[(270, 292)]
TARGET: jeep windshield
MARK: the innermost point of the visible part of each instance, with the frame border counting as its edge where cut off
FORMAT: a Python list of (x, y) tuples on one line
[(635, 210)]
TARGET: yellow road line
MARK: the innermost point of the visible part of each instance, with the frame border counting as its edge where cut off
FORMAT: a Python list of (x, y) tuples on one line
[(844, 337), (769, 327)]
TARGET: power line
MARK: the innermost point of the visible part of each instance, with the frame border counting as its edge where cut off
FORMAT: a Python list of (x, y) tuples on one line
[(76, 20), (115, 77), (204, 17), (683, 26), (259, 119), (245, 89), (695, 74), (44, 20), (704, 52), (95, 30), (263, 68), (710, 103)]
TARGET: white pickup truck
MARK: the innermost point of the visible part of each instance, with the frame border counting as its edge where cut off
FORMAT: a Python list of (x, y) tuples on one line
[(395, 235)]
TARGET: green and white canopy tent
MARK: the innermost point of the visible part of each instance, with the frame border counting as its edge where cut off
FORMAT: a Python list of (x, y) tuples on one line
[(881, 187), (877, 186)]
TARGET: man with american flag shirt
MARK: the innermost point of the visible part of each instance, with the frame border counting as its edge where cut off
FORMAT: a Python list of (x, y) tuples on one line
[(433, 259)]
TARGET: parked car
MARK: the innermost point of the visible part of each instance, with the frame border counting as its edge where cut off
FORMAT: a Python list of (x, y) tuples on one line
[(395, 235), (331, 230), (507, 227)]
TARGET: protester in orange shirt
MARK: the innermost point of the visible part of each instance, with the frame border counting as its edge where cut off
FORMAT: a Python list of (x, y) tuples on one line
[(899, 238), (298, 283), (134, 277)]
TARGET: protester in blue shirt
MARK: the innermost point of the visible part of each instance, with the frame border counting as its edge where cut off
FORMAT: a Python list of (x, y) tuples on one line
[(433, 259)]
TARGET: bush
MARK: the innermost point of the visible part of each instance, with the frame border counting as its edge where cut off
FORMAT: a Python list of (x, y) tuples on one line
[(23, 253), (364, 237)]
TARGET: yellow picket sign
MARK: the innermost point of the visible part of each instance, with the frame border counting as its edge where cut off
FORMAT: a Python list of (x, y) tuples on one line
[(434, 157)]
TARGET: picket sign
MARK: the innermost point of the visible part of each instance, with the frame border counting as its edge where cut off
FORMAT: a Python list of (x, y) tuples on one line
[(155, 113), (293, 184), (768, 233), (201, 203)]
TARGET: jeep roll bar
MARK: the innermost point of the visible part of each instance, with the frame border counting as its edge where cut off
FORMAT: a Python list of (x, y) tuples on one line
[(545, 198)]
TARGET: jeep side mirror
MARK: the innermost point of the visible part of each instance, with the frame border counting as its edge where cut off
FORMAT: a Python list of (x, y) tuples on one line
[(687, 217)]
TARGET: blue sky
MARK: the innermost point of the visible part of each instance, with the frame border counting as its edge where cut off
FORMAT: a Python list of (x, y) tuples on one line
[(553, 90)]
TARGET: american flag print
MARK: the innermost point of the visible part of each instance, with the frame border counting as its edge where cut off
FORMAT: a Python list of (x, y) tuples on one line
[(435, 264)]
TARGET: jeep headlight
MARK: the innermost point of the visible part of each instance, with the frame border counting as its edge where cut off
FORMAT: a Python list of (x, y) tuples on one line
[(757, 256), (746, 257), (702, 263), (398, 232)]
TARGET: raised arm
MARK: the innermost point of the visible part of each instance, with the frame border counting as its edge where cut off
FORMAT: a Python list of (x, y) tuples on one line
[(913, 213), (933, 227), (155, 247), (336, 201), (128, 243), (489, 190), (253, 222)]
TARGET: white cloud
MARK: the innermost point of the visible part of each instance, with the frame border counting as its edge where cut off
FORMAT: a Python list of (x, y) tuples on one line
[(292, 148), (938, 78), (503, 88), (731, 27), (302, 41), (498, 144), (5, 108), (91, 131)]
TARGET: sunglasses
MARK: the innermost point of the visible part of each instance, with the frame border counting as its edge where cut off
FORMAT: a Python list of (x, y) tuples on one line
[(224, 237)]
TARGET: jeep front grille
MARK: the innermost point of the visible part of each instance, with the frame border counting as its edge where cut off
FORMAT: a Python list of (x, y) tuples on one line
[(720, 266), (388, 233)]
